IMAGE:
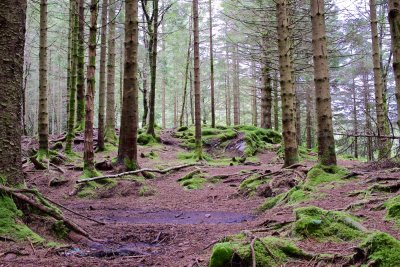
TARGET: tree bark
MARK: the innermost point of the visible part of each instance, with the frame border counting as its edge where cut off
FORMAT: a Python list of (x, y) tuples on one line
[(127, 150), (298, 115), (228, 89), (184, 97), (197, 96), (380, 106), (254, 107), (276, 102), (88, 154), (12, 41), (212, 68), (163, 80), (73, 82), (102, 77), (43, 122), (394, 22), (309, 124), (326, 142), (355, 121), (80, 87), (110, 135), (236, 90), (287, 91)]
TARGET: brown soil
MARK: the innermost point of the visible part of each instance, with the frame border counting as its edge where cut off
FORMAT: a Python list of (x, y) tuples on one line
[(176, 227)]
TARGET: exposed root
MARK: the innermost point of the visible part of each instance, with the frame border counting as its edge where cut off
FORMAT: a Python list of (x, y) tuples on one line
[(38, 165), (136, 172)]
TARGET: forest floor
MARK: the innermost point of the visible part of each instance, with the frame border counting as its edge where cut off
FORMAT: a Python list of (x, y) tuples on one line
[(158, 222)]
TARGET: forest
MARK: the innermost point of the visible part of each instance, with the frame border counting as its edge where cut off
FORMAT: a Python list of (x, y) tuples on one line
[(200, 133)]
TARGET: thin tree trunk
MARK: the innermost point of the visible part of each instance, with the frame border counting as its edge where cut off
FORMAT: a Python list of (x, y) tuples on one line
[(236, 90), (287, 91), (266, 98), (153, 70), (164, 80), (212, 68), (254, 110), (394, 22), (298, 116), (127, 150), (326, 142), (69, 56), (43, 121), (145, 91), (184, 97), (309, 124), (276, 102), (191, 97), (197, 96), (175, 111), (355, 121), (80, 87), (228, 89), (380, 106), (110, 135), (102, 77), (368, 128), (72, 89), (12, 40), (88, 153)]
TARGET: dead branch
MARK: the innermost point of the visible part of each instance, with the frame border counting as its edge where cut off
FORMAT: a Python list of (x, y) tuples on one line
[(57, 168), (38, 164), (368, 135), (114, 176)]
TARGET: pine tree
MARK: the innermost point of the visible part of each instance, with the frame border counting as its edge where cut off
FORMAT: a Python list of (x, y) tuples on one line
[(197, 96)]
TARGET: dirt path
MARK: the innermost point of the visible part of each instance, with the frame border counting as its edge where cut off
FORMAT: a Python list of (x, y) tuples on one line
[(174, 226)]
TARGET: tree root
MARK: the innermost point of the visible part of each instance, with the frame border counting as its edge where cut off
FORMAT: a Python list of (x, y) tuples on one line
[(43, 206), (119, 175)]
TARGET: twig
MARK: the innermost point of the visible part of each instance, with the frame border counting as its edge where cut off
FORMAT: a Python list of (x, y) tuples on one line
[(57, 168), (114, 176), (253, 253)]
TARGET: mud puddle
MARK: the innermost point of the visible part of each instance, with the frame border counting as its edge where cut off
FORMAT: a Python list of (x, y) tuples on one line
[(175, 217)]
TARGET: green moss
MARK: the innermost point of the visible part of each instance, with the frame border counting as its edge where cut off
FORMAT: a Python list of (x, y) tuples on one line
[(182, 129), (250, 185), (382, 249), (10, 222), (130, 165), (89, 189), (324, 174), (393, 209), (326, 225), (193, 180), (87, 173), (146, 139), (295, 195), (146, 191), (236, 252), (60, 229)]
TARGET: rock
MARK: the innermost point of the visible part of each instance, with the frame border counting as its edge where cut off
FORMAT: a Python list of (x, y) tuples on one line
[(264, 190), (208, 215)]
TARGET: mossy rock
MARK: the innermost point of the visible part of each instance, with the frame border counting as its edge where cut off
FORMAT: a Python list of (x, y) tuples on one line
[(193, 180), (381, 249), (325, 174), (146, 139), (326, 225), (237, 252), (10, 222), (393, 209), (183, 129), (249, 186), (90, 189), (295, 195)]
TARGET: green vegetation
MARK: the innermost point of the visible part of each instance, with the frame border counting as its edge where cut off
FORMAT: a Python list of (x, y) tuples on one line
[(237, 249), (326, 225), (89, 189), (146, 191), (250, 185), (193, 180), (145, 139), (382, 249), (10, 222), (393, 209), (325, 174), (297, 194)]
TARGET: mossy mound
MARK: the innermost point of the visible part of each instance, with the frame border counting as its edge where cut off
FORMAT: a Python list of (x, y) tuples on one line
[(193, 180), (10, 222), (325, 174), (297, 194), (250, 185), (381, 249), (393, 209), (146, 191), (91, 189), (145, 139), (236, 251), (257, 138), (326, 225)]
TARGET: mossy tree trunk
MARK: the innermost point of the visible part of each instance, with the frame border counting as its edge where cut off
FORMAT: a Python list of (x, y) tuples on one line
[(12, 41), (102, 77), (127, 150), (287, 91), (266, 92), (276, 102), (145, 90), (394, 22), (43, 122), (298, 115), (88, 156), (73, 82), (212, 67), (380, 105), (197, 90), (326, 142), (80, 84), (110, 135), (309, 124)]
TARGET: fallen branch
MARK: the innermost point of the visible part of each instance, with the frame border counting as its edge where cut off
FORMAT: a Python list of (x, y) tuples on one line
[(114, 176), (368, 135), (37, 163), (57, 168)]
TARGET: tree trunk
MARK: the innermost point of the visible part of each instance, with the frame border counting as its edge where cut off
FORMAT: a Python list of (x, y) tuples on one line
[(88, 155), (127, 150), (266, 98), (191, 93), (276, 102), (163, 80), (394, 22), (184, 97), (153, 70), (309, 124), (326, 142), (43, 122), (380, 106), (102, 77), (355, 121), (298, 116), (228, 89), (110, 135), (212, 68), (368, 128), (287, 91), (197, 97), (236, 90), (254, 110), (12, 41), (72, 89), (80, 87), (145, 91)]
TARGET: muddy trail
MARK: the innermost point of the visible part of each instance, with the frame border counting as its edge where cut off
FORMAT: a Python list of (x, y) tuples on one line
[(163, 222)]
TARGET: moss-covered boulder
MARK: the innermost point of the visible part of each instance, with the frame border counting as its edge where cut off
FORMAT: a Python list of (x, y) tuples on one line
[(236, 251), (193, 180), (327, 225), (325, 174), (146, 139), (393, 209)]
